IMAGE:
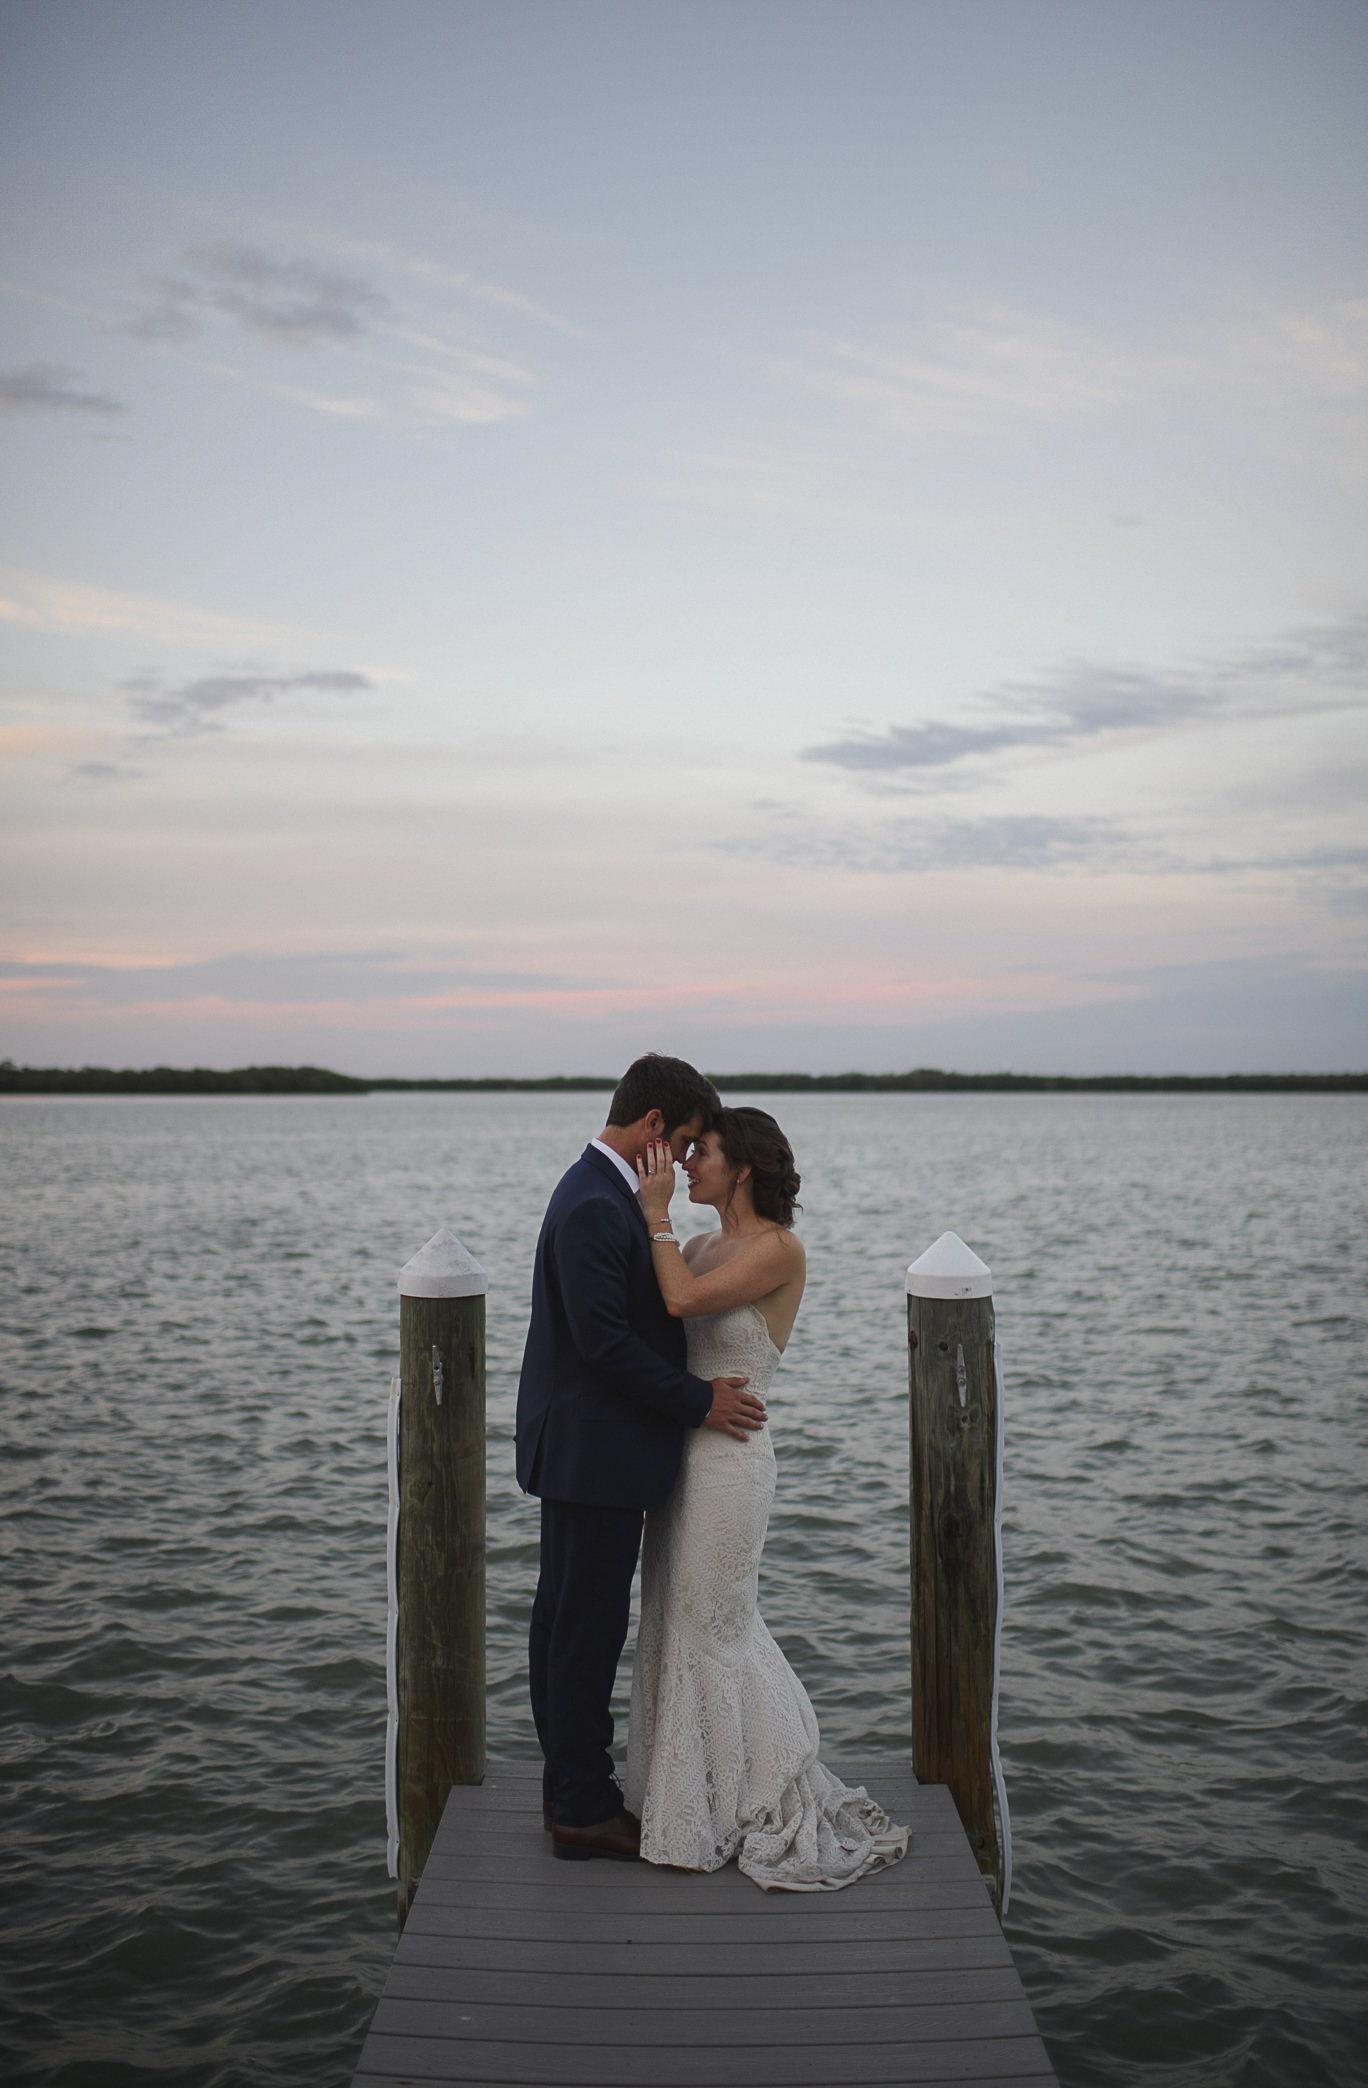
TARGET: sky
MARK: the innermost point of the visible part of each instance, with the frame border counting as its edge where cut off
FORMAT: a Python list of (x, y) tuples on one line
[(808, 536)]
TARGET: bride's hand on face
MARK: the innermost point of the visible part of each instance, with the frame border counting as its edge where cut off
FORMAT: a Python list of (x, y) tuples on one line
[(656, 1174)]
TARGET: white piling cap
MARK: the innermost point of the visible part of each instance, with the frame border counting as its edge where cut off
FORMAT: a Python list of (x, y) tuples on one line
[(442, 1269), (949, 1269)]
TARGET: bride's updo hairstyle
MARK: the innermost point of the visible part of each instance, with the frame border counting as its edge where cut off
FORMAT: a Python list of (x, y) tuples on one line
[(751, 1138)]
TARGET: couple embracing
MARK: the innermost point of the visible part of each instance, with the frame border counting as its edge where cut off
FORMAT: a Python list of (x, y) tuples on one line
[(642, 1395)]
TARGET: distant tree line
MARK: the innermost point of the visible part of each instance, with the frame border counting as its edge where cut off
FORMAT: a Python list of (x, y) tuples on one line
[(175, 1080), (318, 1080), (931, 1080)]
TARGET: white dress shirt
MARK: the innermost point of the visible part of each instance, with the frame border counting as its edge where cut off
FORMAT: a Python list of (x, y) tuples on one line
[(624, 1167)]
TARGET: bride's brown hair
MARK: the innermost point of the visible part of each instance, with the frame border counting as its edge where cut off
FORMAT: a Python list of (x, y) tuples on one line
[(750, 1138)]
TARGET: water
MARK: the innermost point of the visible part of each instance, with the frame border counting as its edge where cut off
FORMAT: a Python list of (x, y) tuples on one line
[(198, 1328)]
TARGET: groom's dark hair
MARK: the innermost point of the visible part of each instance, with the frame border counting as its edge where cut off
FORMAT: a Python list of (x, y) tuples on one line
[(678, 1090)]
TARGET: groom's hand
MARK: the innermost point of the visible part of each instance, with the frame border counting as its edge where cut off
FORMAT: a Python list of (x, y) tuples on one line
[(735, 1411)]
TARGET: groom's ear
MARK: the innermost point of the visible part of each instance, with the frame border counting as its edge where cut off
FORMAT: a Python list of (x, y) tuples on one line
[(653, 1124)]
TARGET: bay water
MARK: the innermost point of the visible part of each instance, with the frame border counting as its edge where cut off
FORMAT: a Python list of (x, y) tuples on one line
[(198, 1324)]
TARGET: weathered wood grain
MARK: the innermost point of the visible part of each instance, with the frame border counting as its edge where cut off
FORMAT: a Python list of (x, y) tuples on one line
[(706, 1963), (440, 1652), (788, 1988), (502, 1848), (954, 1426), (656, 1902), (705, 2066), (637, 1931), (729, 2079), (531, 2021), (521, 1849)]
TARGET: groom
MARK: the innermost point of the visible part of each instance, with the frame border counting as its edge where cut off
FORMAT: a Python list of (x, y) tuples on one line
[(603, 1403)]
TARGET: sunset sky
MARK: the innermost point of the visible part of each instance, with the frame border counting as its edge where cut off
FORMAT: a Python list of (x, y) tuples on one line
[(806, 535)]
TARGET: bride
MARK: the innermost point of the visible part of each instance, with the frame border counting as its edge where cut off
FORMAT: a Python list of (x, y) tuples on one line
[(722, 1747)]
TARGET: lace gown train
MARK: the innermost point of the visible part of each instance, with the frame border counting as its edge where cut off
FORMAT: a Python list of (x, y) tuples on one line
[(722, 1750)]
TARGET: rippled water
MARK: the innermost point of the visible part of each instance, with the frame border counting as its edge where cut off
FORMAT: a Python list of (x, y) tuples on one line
[(198, 1327)]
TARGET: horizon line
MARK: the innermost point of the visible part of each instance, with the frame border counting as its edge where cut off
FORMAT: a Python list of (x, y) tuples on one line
[(308, 1079)]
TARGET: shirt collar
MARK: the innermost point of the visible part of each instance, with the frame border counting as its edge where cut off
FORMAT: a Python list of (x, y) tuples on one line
[(628, 1173)]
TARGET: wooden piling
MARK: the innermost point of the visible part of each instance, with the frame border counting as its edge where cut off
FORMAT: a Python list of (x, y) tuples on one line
[(955, 1438), (438, 1664)]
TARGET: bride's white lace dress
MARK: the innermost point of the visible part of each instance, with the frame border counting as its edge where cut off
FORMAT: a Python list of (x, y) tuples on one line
[(722, 1745)]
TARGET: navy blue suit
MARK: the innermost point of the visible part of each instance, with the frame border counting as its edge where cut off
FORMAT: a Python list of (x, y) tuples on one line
[(603, 1402)]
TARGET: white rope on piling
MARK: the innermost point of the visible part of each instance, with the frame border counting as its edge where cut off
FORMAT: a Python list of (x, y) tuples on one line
[(392, 1637), (999, 1783)]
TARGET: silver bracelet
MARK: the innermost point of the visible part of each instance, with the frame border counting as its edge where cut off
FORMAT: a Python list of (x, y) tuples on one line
[(665, 1236)]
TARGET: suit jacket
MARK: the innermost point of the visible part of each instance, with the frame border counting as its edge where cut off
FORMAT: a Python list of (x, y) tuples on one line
[(604, 1398)]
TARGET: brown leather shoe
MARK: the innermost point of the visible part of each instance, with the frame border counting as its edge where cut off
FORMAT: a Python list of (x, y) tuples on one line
[(619, 1837)]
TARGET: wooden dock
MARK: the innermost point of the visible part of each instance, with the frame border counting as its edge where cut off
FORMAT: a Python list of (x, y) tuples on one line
[(514, 1967)]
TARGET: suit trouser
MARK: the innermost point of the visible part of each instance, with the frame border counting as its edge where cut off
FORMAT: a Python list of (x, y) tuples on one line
[(579, 1627)]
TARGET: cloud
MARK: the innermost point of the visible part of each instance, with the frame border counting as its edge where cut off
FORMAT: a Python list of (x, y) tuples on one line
[(1081, 703), (438, 274), (964, 367), (971, 364), (457, 394), (413, 324), (1087, 701), (339, 406), (432, 369), (293, 302), (1278, 807), (1296, 378), (50, 602), (921, 746), (195, 706), (1334, 655), (299, 980), (1032, 843), (101, 772), (1316, 357), (1021, 841), (50, 388), (1270, 1013)]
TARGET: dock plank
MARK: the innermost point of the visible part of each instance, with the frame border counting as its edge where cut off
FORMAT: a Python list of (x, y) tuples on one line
[(713, 1961), (649, 2066), (933, 1884), (901, 1987), (728, 2079), (755, 2024), (517, 1968), (529, 1926)]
